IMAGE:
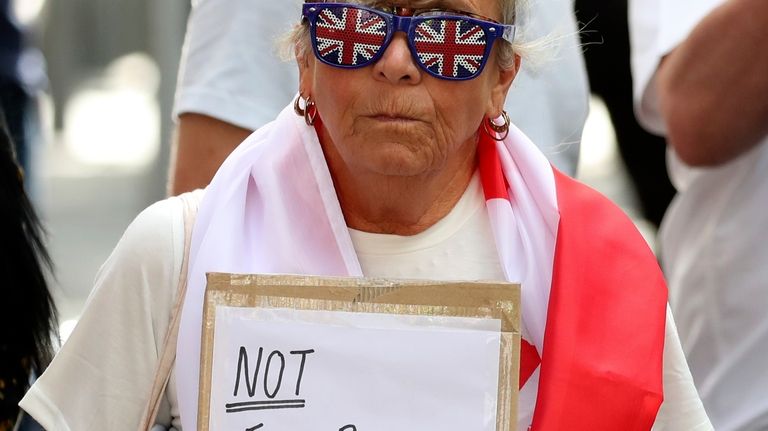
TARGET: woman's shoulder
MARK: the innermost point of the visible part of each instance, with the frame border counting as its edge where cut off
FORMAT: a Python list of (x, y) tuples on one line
[(161, 215), (578, 201), (606, 232), (163, 221), (154, 241)]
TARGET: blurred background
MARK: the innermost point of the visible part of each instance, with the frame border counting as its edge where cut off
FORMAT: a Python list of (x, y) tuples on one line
[(100, 152)]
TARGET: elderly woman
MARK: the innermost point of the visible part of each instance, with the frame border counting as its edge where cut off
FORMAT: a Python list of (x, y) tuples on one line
[(401, 164)]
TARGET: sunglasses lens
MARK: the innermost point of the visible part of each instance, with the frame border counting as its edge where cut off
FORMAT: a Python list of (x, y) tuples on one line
[(348, 36), (450, 48)]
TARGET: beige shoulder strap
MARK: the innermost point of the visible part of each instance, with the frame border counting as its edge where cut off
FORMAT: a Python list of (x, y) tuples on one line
[(168, 355)]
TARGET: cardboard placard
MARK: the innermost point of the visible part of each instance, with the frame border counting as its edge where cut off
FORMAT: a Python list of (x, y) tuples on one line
[(299, 352)]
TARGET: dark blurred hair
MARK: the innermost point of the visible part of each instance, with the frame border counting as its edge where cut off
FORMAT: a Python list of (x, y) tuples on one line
[(28, 322)]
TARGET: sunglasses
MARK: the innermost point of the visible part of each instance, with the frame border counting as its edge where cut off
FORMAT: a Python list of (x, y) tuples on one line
[(445, 44)]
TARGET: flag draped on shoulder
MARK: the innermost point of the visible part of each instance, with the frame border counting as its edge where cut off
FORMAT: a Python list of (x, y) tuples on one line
[(599, 364), (593, 300)]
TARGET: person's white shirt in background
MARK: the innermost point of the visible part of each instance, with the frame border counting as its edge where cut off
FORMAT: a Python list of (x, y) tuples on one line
[(714, 242), (230, 71)]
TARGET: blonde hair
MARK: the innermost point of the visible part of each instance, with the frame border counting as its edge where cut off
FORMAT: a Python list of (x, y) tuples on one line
[(296, 42)]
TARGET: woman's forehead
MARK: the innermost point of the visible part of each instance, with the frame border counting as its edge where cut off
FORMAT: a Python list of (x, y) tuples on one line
[(487, 8)]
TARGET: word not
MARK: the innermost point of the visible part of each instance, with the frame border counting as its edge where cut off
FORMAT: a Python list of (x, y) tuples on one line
[(274, 363), (274, 360)]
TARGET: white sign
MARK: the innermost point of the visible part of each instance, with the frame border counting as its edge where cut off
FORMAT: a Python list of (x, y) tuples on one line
[(296, 370)]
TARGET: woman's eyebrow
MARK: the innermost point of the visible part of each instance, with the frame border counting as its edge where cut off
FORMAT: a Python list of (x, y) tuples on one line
[(423, 4)]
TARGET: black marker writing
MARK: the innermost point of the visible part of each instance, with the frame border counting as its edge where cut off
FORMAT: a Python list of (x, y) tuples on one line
[(303, 354), (349, 427), (242, 362), (272, 376), (264, 405), (279, 376)]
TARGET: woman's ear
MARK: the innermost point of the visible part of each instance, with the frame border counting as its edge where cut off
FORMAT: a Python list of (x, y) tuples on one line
[(501, 87)]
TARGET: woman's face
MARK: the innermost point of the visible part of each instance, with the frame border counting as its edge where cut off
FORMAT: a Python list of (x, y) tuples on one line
[(392, 118)]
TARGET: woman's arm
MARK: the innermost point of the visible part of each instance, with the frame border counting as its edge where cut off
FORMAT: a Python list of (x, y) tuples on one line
[(682, 408), (102, 376)]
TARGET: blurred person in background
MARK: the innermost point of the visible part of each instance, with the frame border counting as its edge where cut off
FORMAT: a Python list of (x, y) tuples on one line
[(230, 85), (27, 312), (22, 74), (605, 37), (701, 77)]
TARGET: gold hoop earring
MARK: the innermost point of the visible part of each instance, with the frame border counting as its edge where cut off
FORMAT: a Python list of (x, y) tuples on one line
[(310, 111), (297, 106), (496, 129)]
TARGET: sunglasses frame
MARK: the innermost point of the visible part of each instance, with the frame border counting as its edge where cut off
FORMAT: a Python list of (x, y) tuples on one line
[(408, 24)]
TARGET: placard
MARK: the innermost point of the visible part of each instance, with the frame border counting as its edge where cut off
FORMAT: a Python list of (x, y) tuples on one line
[(311, 353)]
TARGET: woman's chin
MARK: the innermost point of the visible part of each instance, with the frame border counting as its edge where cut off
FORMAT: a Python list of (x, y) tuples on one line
[(395, 159)]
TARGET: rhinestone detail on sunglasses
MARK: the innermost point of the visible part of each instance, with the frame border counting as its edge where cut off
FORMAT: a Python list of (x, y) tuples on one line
[(447, 46)]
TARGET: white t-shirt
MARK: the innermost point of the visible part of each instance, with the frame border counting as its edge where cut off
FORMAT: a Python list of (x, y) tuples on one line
[(714, 248), (229, 71), (103, 374)]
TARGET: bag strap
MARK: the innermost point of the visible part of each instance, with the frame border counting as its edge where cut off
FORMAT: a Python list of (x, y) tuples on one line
[(168, 355)]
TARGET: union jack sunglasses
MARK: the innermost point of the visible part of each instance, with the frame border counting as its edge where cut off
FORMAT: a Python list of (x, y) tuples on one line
[(445, 44)]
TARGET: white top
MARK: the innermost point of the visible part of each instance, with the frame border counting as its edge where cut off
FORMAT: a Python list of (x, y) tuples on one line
[(713, 243), (108, 361), (230, 71), (461, 246)]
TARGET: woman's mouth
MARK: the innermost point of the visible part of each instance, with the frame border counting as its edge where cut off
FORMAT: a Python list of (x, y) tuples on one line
[(393, 118)]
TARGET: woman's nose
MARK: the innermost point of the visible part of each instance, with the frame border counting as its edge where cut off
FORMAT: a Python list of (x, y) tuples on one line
[(397, 65)]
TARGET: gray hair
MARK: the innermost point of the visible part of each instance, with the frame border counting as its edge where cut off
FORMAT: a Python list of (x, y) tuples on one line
[(510, 9), (296, 42)]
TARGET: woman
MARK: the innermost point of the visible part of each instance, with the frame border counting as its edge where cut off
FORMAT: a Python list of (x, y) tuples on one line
[(395, 168)]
